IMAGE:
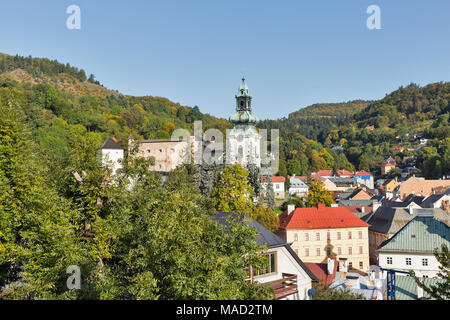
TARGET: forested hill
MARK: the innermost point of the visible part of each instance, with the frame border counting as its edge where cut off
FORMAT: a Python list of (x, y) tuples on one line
[(55, 94), (366, 133)]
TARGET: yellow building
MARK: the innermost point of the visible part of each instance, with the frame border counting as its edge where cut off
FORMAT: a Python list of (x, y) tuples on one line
[(390, 185), (318, 233)]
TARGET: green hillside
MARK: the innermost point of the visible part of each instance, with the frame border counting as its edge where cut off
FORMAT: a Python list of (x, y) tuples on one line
[(396, 119)]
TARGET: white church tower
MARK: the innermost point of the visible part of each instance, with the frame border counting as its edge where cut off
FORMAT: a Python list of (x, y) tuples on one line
[(243, 141)]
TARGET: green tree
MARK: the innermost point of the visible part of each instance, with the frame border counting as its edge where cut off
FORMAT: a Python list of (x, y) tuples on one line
[(318, 194), (441, 290), (232, 192)]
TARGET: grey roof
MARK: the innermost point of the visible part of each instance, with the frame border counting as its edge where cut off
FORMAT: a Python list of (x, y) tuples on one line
[(390, 220), (347, 203), (265, 237), (406, 287), (295, 182), (408, 200), (428, 202), (423, 234), (111, 144)]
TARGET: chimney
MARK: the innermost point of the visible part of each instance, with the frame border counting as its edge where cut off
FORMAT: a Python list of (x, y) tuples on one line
[(363, 209), (375, 205), (290, 208), (419, 292), (330, 265)]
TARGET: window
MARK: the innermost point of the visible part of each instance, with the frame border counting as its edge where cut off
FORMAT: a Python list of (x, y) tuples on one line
[(295, 236), (318, 252), (318, 236), (408, 261), (307, 252), (277, 186), (361, 265), (339, 250), (328, 251), (360, 234), (349, 235), (269, 266), (350, 266), (360, 250), (389, 260), (349, 250), (425, 262), (328, 235), (339, 236), (306, 236)]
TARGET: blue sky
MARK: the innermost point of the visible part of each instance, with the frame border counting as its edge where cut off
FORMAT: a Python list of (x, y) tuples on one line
[(293, 53)]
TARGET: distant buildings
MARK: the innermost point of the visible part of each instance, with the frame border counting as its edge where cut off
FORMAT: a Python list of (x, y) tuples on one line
[(112, 155), (278, 185), (297, 187), (387, 167), (319, 233), (365, 178), (420, 187)]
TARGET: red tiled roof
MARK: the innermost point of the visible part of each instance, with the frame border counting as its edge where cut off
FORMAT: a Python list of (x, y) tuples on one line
[(363, 173), (278, 179), (344, 173), (325, 172), (320, 270), (389, 165), (358, 208), (320, 218)]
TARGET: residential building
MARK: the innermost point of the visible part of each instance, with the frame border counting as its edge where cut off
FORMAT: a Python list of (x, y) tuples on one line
[(420, 187), (278, 185), (413, 246), (112, 154), (344, 173), (324, 173), (389, 186), (365, 178), (387, 167), (322, 232), (385, 222), (436, 201), (285, 271), (297, 187)]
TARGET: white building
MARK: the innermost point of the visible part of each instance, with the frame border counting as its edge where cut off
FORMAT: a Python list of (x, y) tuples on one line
[(285, 272), (278, 186), (412, 247), (297, 187), (112, 155)]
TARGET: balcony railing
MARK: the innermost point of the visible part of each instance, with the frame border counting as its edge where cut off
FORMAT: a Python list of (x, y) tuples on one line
[(285, 286)]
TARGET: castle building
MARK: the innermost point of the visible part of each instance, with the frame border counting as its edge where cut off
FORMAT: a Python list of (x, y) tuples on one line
[(243, 141)]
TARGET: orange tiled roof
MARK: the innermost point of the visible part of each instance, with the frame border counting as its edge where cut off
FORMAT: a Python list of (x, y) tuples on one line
[(320, 218), (363, 173), (278, 179), (325, 172)]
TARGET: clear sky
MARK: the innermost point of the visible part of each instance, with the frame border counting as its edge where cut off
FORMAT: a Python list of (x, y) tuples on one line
[(292, 53)]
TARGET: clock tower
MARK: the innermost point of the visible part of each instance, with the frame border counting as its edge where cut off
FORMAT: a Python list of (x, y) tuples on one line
[(243, 141)]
